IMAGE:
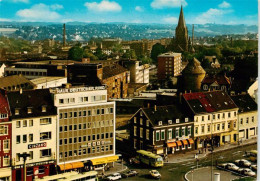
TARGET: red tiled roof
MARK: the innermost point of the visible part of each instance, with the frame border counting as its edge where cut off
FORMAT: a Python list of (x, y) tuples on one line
[(220, 79)]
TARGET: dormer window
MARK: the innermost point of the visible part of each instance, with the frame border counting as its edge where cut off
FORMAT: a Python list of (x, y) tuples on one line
[(29, 110), (187, 119), (160, 123), (177, 120), (44, 108), (169, 121), (17, 111)]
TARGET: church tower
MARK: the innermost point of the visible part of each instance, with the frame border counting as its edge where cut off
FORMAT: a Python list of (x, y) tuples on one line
[(181, 34)]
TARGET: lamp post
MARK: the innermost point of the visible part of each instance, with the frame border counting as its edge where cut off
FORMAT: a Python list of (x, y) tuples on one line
[(24, 156)]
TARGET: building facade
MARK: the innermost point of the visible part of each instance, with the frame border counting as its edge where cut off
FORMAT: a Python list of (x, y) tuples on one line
[(162, 130), (85, 128), (5, 139), (247, 117), (215, 118), (169, 65), (33, 132), (215, 82)]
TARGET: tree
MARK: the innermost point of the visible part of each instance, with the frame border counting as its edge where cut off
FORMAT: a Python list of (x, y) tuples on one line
[(75, 53), (205, 63), (145, 60), (157, 50), (129, 54)]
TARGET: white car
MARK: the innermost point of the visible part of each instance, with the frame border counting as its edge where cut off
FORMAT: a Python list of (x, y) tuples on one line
[(223, 165), (248, 172), (115, 176), (232, 166), (155, 174), (243, 162)]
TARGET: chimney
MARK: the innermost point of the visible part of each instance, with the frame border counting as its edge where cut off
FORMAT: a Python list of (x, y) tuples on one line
[(155, 108), (21, 91), (64, 35)]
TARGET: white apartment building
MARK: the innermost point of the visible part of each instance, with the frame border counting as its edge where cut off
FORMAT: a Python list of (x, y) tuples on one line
[(138, 73), (85, 127)]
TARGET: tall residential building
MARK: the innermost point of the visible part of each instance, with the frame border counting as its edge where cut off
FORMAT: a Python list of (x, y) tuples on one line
[(34, 118), (169, 65), (5, 138), (181, 34), (85, 128)]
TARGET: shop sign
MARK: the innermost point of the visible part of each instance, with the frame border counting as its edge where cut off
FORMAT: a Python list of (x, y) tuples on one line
[(37, 145), (78, 89)]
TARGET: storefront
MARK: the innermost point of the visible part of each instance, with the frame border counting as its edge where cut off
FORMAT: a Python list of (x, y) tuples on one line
[(71, 166), (5, 174), (101, 163), (180, 146)]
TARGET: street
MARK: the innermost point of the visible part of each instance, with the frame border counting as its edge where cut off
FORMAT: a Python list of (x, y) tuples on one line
[(176, 171)]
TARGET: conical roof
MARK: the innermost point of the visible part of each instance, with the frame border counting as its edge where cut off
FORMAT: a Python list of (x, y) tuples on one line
[(181, 22), (194, 67)]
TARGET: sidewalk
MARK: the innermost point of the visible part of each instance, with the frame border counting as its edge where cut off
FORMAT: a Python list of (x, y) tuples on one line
[(189, 156)]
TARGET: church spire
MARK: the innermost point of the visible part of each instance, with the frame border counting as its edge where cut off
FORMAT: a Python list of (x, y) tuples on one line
[(181, 22)]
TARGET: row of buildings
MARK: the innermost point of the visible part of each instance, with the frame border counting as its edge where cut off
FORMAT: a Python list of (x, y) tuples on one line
[(59, 129), (194, 121)]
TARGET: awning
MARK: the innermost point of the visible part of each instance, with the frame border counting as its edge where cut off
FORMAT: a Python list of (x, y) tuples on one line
[(172, 144), (191, 141), (185, 142), (179, 143), (69, 166), (99, 161)]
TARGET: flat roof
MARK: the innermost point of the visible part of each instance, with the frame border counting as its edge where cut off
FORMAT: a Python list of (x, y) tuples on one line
[(41, 80), (169, 54)]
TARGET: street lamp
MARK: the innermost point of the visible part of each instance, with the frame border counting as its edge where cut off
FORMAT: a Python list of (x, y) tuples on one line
[(24, 156)]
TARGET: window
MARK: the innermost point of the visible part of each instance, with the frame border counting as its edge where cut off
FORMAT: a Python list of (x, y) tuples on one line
[(177, 133), (186, 120), (241, 121), (72, 100), (45, 153), (134, 119), (75, 114), (31, 155), (18, 139), (147, 123), (235, 124), (182, 131), (98, 111), (65, 128), (218, 116), (169, 134), (6, 161), (208, 117), (24, 123), (75, 127), (189, 131), (60, 115), (60, 141), (61, 101), (202, 118), (177, 120), (84, 113), (45, 121), (196, 130), (6, 145), (17, 111), (43, 108), (253, 119), (30, 137), (229, 115), (29, 110), (229, 125), (147, 134), (218, 127), (141, 121), (202, 129), (247, 120), (223, 126), (65, 115), (235, 114), (141, 132), (24, 138), (157, 135), (18, 124), (159, 123), (45, 136), (208, 128), (75, 140), (17, 157), (223, 115), (214, 116), (70, 127), (102, 111), (3, 130)]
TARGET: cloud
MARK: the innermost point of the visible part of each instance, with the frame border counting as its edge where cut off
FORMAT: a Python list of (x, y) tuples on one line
[(139, 9), (57, 6), (16, 1), (4, 19), (160, 4), (224, 4), (171, 20), (137, 21), (38, 12), (211, 16), (104, 6)]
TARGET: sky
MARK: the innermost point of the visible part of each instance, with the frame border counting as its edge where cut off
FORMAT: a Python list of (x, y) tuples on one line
[(131, 11)]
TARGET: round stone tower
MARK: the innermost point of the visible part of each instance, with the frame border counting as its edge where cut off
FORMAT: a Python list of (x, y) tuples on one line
[(192, 75)]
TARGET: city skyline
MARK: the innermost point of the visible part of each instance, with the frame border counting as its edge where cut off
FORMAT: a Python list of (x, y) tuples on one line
[(152, 11)]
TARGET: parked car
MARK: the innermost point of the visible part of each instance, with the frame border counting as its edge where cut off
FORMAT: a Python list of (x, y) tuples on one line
[(115, 176), (155, 174), (130, 173), (248, 172), (254, 167), (232, 166), (243, 162), (223, 165)]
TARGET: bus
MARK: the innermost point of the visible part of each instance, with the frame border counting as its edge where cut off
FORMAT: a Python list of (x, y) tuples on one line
[(252, 155), (149, 158), (73, 176)]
